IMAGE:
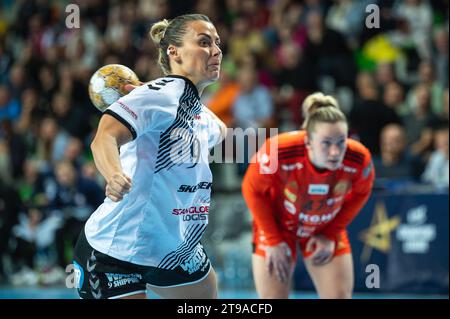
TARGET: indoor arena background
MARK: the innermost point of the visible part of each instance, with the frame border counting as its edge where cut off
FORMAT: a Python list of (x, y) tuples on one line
[(385, 61)]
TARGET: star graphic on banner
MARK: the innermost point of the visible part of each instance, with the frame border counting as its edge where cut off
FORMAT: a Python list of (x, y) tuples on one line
[(378, 235)]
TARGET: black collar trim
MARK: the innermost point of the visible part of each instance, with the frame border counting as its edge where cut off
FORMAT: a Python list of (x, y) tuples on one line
[(189, 82)]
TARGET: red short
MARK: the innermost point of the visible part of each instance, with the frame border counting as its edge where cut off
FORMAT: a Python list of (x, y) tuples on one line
[(342, 245)]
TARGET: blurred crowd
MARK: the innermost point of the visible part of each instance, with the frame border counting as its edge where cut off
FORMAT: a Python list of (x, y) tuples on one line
[(391, 81)]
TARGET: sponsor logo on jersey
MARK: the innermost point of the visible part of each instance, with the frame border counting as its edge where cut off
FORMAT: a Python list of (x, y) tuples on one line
[(191, 210), (349, 169), (266, 166), (290, 195), (119, 280), (317, 219), (291, 167), (127, 109), (332, 201), (291, 191), (290, 207), (367, 170), (318, 189), (194, 188), (341, 187), (192, 213)]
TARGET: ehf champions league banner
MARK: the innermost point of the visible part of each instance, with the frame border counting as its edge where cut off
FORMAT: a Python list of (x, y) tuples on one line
[(400, 244)]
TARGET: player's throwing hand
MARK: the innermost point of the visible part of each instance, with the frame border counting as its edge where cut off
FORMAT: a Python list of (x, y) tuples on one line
[(118, 186)]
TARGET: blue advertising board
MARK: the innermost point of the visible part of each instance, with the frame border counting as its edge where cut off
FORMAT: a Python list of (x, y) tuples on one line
[(403, 236)]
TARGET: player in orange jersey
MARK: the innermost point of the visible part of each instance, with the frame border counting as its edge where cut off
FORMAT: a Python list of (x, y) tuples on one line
[(321, 181)]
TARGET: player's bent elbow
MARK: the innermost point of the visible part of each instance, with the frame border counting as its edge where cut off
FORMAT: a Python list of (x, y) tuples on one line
[(94, 145)]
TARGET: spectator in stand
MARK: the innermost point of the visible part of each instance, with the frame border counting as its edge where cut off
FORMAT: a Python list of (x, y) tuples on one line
[(440, 55), (291, 88), (244, 39), (329, 51), (50, 143), (427, 76), (394, 160), (33, 244), (15, 148), (419, 122), (369, 115), (30, 111), (394, 98), (437, 168), (70, 118), (252, 109), (17, 81), (73, 153), (419, 17), (384, 74), (48, 83)]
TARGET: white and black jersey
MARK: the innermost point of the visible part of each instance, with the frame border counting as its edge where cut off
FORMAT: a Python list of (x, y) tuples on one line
[(161, 220)]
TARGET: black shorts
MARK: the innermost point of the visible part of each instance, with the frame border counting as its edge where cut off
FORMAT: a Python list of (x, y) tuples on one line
[(101, 276)]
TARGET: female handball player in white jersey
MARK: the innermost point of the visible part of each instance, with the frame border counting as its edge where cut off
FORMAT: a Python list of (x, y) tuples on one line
[(152, 148)]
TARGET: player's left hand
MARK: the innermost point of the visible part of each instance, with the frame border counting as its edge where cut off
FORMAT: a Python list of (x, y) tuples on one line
[(322, 249)]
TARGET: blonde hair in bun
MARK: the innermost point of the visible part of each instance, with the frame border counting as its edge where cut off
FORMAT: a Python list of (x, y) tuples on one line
[(319, 107)]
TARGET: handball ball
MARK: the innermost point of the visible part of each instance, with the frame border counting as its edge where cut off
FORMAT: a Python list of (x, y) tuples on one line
[(107, 84)]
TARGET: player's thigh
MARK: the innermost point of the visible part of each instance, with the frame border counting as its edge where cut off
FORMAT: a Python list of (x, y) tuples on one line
[(335, 279), (267, 285), (206, 288)]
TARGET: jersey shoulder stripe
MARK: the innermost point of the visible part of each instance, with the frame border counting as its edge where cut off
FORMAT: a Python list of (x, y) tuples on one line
[(291, 148), (291, 154), (291, 145), (353, 158), (356, 152)]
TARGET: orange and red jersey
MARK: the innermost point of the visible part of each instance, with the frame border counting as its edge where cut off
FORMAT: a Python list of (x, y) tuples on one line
[(297, 200)]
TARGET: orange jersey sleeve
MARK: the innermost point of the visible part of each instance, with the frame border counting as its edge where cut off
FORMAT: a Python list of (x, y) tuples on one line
[(257, 189), (356, 199)]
